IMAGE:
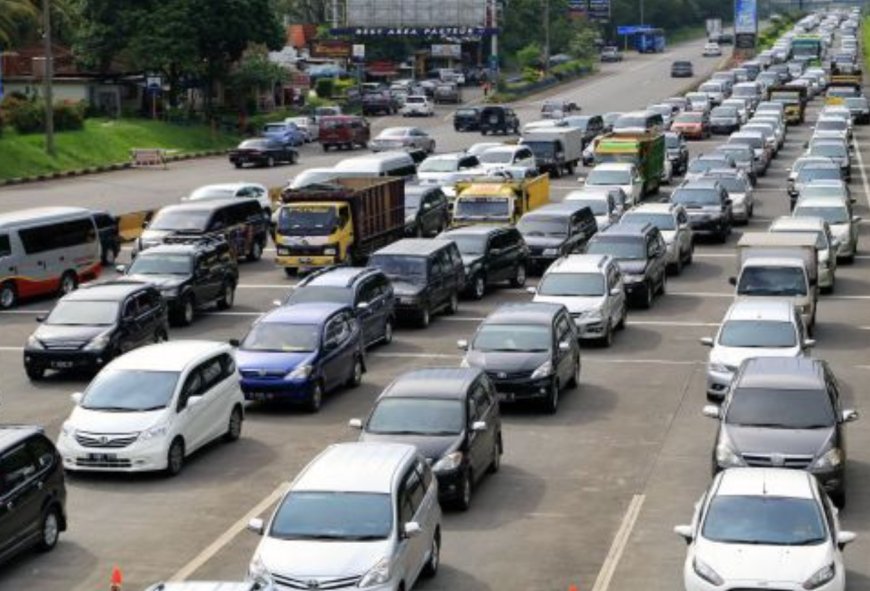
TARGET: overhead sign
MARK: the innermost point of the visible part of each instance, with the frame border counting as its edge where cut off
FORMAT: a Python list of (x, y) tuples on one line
[(416, 13), (632, 29), (438, 32), (331, 49), (453, 50), (745, 16), (595, 10)]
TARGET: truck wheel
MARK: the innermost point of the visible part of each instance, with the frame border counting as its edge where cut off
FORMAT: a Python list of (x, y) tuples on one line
[(256, 252), (290, 271)]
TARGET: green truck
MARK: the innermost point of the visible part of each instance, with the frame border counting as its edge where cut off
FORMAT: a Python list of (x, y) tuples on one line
[(645, 150)]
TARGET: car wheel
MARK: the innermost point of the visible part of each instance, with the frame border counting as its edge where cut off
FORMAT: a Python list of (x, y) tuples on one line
[(453, 305), (464, 500), (678, 266), (519, 278), (68, 283), (160, 336), (234, 426), (663, 287), (691, 256), (34, 372), (356, 373), (647, 300), (478, 289), (622, 316), (430, 569), (270, 162), (256, 252), (388, 332), (188, 311), (228, 296), (290, 271), (8, 295), (49, 529), (607, 339), (175, 457), (551, 403), (238, 164), (316, 399), (109, 256), (575, 378), (424, 318), (497, 451)]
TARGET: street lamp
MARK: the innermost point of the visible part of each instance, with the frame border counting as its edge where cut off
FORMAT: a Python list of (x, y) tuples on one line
[(46, 80)]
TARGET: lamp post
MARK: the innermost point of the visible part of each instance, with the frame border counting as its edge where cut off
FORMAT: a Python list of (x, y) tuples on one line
[(641, 11), (46, 80), (546, 35)]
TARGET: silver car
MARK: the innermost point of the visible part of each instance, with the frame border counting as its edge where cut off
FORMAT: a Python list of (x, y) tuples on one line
[(826, 244), (740, 191), (673, 222), (838, 214), (398, 138), (212, 586)]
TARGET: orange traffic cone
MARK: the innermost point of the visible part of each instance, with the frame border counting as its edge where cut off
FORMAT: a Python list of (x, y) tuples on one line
[(572, 588), (117, 579)]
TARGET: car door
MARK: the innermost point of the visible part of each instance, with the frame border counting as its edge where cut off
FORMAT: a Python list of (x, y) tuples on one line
[(429, 220), (496, 261), (191, 422), (684, 232), (660, 252), (563, 360), (411, 550), (129, 330), (479, 442), (370, 315), (214, 405), (437, 282), (615, 303), (339, 349), (20, 497)]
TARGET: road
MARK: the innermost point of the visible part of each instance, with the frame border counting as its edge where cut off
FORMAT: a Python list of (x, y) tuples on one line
[(586, 497)]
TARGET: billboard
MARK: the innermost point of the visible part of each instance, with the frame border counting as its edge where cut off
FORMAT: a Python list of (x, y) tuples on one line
[(595, 10), (331, 49), (745, 16), (416, 13), (448, 50)]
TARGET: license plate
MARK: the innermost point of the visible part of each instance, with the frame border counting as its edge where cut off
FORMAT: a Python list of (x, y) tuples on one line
[(493, 119), (283, 251), (305, 259), (61, 364), (260, 396), (102, 457)]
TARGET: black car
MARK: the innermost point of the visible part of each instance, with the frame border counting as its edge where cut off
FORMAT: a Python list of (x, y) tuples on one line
[(555, 230), (678, 152), (110, 237), (641, 253), (262, 152), (32, 491), (498, 119), (467, 119), (682, 69), (784, 413), (427, 210), (529, 351), (427, 276), (368, 291), (859, 108), (591, 125), (452, 416), (377, 102), (191, 275), (491, 255), (708, 205), (89, 327)]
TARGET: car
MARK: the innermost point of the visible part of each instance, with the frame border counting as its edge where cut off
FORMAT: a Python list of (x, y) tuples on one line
[(680, 103), (285, 133), (211, 586), (859, 108), (716, 90), (467, 119), (767, 130), (742, 106), (398, 138), (32, 490), (447, 169), (641, 253), (677, 152), (504, 156), (367, 291), (240, 190), (152, 408), (611, 53), (708, 205), (834, 189), (666, 111), (363, 512), (590, 286), (622, 175), (591, 125), (190, 274), (110, 237), (498, 119), (427, 209), (490, 255), (447, 92), (308, 125), (780, 524), (301, 352), (556, 229), (379, 101), (692, 125), (768, 327), (841, 219), (606, 203), (89, 327), (479, 148), (529, 351), (743, 157), (701, 164), (682, 69), (417, 105), (557, 108), (343, 131), (427, 277), (451, 415), (837, 151), (673, 222), (740, 191), (724, 119), (826, 244), (760, 147), (262, 152)]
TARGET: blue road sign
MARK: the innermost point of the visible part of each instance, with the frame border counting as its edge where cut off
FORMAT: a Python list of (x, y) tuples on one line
[(632, 29)]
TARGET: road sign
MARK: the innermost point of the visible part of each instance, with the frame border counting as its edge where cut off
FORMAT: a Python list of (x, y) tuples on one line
[(632, 29)]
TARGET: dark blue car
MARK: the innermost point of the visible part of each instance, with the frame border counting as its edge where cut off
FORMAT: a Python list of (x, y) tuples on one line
[(298, 353)]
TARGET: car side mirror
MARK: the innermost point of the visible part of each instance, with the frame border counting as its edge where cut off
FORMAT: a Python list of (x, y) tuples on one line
[(145, 224), (462, 344), (194, 400), (362, 306), (257, 525), (277, 303), (850, 415), (412, 529), (615, 291), (76, 397), (121, 269), (532, 290), (478, 426), (685, 532), (235, 343), (809, 343), (40, 318), (711, 411), (732, 280), (844, 538), (355, 424), (564, 346), (707, 341)]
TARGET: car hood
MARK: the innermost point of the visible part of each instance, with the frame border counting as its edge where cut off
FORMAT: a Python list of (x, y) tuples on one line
[(406, 288), (315, 559), (627, 189), (97, 421), (431, 447), (575, 304), (271, 361), (802, 442), (48, 333), (519, 361), (696, 210), (734, 356), (434, 178), (774, 564), (544, 241), (158, 281), (631, 266), (152, 236)]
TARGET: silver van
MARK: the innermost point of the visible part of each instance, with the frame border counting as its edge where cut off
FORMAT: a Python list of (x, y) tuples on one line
[(360, 515), (392, 163), (639, 122), (46, 250)]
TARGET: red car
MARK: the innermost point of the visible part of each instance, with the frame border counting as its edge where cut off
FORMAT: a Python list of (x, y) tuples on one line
[(344, 131), (692, 125)]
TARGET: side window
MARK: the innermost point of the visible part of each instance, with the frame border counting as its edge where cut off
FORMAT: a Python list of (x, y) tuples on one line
[(383, 283), (42, 451), (332, 332), (212, 373), (218, 221), (148, 301), (650, 247), (481, 401), (425, 473), (16, 466), (192, 387), (130, 308), (368, 291), (5, 245), (411, 496), (228, 365), (497, 241), (455, 257), (563, 329), (443, 260), (682, 218)]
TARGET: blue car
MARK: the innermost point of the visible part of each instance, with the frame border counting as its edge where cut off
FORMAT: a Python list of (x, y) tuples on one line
[(286, 133), (299, 353)]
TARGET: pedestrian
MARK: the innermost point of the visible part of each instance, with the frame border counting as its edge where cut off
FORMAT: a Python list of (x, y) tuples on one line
[(485, 88)]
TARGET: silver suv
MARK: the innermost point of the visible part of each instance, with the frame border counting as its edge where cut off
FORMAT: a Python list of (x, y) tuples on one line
[(673, 222), (361, 515)]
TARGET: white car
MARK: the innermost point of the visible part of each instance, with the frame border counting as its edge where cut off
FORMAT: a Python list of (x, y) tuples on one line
[(417, 105), (308, 126), (712, 50), (673, 222), (447, 169), (838, 214), (506, 156), (624, 175), (230, 190), (152, 407), (607, 203), (760, 528), (481, 147)]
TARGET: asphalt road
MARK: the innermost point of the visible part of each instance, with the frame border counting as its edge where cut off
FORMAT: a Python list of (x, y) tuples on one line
[(587, 497)]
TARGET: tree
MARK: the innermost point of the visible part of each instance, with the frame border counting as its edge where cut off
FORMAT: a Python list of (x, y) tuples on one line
[(253, 74), (529, 56), (305, 11), (13, 15)]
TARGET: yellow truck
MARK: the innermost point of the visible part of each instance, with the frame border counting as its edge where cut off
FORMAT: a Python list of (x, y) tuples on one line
[(498, 200)]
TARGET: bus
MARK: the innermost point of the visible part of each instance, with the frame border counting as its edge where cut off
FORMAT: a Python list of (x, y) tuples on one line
[(650, 41), (807, 46)]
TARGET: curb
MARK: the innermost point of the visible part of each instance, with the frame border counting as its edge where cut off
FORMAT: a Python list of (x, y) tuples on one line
[(62, 174)]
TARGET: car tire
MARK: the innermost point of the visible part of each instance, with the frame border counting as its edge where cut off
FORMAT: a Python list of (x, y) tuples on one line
[(478, 286), (551, 402), (424, 318), (497, 451), (356, 373), (677, 267), (234, 425), (464, 500), (838, 497), (315, 402), (575, 377), (607, 339), (453, 304), (270, 162), (8, 296), (290, 271), (237, 164), (228, 296), (663, 287), (160, 336), (691, 256), (647, 301), (187, 312), (49, 529), (175, 457), (68, 283), (256, 252), (108, 257), (430, 569), (387, 337), (622, 317), (519, 278), (34, 373)]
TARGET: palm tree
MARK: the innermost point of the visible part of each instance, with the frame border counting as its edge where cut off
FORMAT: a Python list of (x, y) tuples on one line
[(14, 13)]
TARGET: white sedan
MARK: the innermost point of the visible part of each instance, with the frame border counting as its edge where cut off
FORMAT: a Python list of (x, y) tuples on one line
[(712, 50), (417, 105)]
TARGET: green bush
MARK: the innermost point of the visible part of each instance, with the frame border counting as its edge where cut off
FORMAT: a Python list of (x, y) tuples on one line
[(324, 87), (28, 116), (69, 116), (342, 85)]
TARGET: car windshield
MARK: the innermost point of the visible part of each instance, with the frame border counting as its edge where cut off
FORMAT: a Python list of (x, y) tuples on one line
[(772, 281), (710, 88), (821, 239), (401, 267), (393, 132), (630, 122), (814, 190), (662, 221), (689, 118), (275, 127), (781, 408), (526, 338), (830, 150), (83, 313), (724, 112), (598, 206), (857, 102), (161, 264), (327, 515), (212, 193), (282, 337), (756, 143), (757, 334), (696, 197), (739, 153), (417, 416), (701, 166), (808, 173), (732, 184), (497, 157), (307, 220), (832, 215), (254, 145), (672, 141), (485, 207), (543, 226), (619, 247), (832, 125), (130, 390), (764, 520), (747, 91), (320, 293), (180, 220), (572, 284), (608, 177), (438, 165), (312, 177), (466, 112)]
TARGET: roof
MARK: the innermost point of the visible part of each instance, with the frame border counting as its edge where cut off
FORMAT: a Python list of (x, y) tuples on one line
[(784, 373), (12, 434), (442, 382), (797, 224), (774, 482), (766, 309), (563, 208), (412, 247), (525, 313), (303, 313), (821, 202), (109, 291), (336, 276), (41, 214), (202, 204), (169, 356), (358, 163), (701, 183), (476, 230), (662, 207), (614, 166), (630, 229), (579, 263), (371, 467)]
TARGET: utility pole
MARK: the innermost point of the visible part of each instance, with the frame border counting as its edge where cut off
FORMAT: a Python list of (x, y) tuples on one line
[(46, 80), (546, 35), (494, 38), (641, 12)]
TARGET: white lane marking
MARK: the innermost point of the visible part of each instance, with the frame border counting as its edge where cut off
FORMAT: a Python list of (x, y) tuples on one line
[(632, 322), (264, 286), (416, 355), (714, 255), (701, 294), (24, 312), (225, 538), (864, 182), (620, 541), (587, 359), (242, 314), (12, 349)]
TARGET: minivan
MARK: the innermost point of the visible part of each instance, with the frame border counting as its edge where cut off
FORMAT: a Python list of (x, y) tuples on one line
[(392, 163), (555, 230), (639, 122), (46, 250), (343, 131)]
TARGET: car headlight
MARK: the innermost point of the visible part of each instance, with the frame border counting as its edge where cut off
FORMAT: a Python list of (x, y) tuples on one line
[(68, 429), (410, 218), (820, 577), (632, 278), (830, 459), (34, 343), (300, 373), (329, 252), (153, 432), (378, 574), (169, 292), (449, 462), (99, 342), (726, 456), (544, 370), (257, 571), (719, 368), (593, 315), (704, 571), (551, 252)]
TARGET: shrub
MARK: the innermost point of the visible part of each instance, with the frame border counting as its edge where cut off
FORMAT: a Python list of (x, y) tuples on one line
[(27, 117), (324, 87), (69, 116)]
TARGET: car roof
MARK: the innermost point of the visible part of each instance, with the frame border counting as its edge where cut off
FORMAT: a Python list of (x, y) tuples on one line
[(13, 434), (789, 223), (412, 247), (769, 309), (303, 313), (701, 183), (38, 215), (475, 230), (562, 208), (614, 166), (783, 373), (204, 204), (226, 186), (822, 202), (110, 291), (774, 482), (371, 467), (338, 276), (447, 156), (663, 207), (580, 263), (524, 313), (168, 356), (632, 229), (439, 382)]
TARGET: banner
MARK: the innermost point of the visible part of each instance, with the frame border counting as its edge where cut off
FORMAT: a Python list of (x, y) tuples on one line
[(745, 16), (450, 51), (599, 10), (331, 49), (438, 32)]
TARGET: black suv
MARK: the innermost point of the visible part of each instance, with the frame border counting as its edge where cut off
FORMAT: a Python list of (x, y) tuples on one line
[(110, 237), (784, 413), (490, 255), (32, 491), (427, 276), (555, 230), (682, 69), (499, 119), (367, 290), (678, 152), (467, 119), (529, 351), (380, 101), (708, 205), (90, 326), (191, 274), (442, 411), (641, 253), (427, 211)]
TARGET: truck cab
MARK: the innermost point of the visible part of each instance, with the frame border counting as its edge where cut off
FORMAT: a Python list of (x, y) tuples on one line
[(499, 201)]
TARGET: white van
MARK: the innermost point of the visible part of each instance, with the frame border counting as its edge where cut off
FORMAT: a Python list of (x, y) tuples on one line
[(392, 163), (46, 250)]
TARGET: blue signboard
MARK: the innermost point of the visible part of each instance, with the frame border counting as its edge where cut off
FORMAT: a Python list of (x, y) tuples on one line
[(632, 29), (745, 16)]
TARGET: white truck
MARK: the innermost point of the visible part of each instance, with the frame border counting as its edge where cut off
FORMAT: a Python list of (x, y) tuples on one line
[(556, 149), (780, 264)]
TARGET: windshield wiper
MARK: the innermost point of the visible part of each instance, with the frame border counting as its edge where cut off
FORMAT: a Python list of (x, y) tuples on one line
[(110, 408), (150, 408), (805, 542)]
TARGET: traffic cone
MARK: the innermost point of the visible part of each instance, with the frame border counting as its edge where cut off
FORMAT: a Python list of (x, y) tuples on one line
[(117, 579), (572, 588)]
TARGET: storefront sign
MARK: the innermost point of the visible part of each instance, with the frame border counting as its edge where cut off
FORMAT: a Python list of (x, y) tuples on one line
[(416, 31), (450, 51), (331, 49)]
